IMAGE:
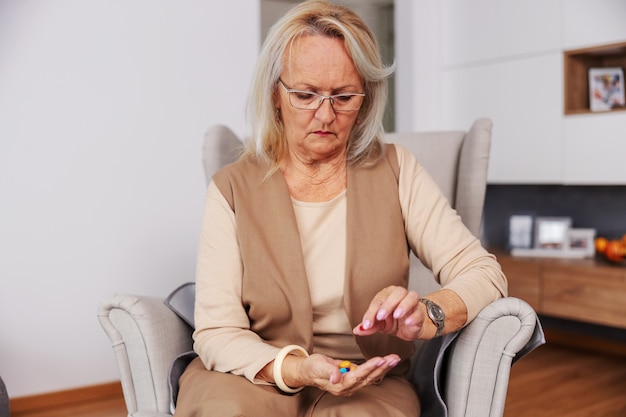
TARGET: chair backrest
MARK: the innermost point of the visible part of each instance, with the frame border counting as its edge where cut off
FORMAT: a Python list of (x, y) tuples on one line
[(457, 161), (221, 147)]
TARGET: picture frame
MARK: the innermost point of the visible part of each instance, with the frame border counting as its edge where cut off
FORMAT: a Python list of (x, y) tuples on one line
[(582, 241), (520, 230), (551, 233), (606, 89)]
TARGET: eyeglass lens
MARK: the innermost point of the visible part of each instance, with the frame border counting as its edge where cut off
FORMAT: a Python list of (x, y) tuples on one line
[(312, 101)]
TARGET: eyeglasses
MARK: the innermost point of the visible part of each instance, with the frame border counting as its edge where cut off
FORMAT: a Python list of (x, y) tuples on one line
[(308, 100)]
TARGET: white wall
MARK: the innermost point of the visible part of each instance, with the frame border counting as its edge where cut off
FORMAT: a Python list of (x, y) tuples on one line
[(103, 105), (418, 57), (461, 60)]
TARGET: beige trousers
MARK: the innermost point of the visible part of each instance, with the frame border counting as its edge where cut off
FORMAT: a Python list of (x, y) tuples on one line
[(206, 393)]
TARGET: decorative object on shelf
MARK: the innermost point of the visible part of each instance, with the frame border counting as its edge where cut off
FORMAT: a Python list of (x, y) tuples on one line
[(614, 250), (555, 238), (520, 230), (576, 65), (606, 89), (551, 232), (582, 241)]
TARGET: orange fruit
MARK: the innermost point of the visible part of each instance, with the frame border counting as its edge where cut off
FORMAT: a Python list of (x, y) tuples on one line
[(601, 244), (615, 251)]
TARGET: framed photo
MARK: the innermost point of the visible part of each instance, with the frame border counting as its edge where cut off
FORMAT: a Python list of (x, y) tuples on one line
[(520, 231), (552, 232), (606, 88), (582, 241)]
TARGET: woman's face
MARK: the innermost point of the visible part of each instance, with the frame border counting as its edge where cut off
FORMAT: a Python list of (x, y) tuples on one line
[(321, 65)]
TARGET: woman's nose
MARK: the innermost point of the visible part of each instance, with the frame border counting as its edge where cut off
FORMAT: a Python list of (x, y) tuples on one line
[(325, 112)]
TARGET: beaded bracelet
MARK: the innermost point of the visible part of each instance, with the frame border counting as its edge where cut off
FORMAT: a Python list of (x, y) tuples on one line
[(278, 367)]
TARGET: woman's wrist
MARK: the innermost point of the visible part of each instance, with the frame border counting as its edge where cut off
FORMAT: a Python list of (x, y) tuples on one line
[(454, 309), (278, 367)]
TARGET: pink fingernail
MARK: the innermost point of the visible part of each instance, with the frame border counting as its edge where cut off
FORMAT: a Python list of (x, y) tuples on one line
[(366, 325), (397, 313), (381, 315)]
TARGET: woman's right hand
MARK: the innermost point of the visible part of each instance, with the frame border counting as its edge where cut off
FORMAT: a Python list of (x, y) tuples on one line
[(323, 372)]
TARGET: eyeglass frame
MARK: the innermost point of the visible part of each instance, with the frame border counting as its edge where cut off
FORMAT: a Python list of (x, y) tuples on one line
[(321, 98)]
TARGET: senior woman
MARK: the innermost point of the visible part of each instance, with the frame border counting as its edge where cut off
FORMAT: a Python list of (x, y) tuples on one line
[(304, 250)]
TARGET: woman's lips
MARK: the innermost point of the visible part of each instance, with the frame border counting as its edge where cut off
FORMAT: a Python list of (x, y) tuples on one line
[(322, 133)]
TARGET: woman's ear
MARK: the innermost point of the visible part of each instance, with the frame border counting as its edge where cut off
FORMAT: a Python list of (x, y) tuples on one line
[(276, 96)]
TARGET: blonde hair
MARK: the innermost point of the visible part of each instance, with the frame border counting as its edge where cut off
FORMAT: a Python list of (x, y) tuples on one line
[(318, 17)]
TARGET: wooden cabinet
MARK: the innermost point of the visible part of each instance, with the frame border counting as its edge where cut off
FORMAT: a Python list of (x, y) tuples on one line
[(576, 65), (575, 289), (591, 293), (524, 279)]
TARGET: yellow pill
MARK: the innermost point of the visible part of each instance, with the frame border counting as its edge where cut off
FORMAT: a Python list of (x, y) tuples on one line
[(344, 364)]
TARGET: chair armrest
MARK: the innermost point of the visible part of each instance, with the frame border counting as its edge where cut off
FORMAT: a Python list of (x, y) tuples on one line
[(146, 337), (480, 358)]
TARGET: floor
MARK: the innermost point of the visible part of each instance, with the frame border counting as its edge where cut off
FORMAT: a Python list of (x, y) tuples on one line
[(113, 407), (552, 381), (556, 381)]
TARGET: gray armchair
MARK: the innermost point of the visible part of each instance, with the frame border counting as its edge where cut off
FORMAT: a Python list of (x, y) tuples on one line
[(4, 400), (464, 374)]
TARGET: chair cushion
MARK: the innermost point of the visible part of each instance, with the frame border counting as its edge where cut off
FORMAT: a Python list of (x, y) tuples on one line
[(181, 302)]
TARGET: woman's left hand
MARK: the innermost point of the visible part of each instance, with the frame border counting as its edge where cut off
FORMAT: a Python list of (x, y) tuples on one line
[(394, 310)]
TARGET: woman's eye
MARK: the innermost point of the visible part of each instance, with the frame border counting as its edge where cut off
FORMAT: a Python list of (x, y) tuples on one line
[(304, 96), (344, 99)]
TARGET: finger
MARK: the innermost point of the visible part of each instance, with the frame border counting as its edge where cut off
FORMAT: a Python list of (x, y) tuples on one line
[(390, 303), (406, 306), (411, 326), (321, 370), (375, 366), (369, 317), (372, 371), (335, 376), (380, 308)]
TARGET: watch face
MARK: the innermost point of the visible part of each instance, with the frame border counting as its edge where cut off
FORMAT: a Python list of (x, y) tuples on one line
[(437, 313)]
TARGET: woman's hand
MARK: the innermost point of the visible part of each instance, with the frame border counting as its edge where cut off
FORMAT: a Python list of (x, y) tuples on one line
[(323, 372), (396, 311)]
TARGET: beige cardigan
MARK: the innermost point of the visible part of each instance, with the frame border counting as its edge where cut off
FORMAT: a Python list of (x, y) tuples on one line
[(223, 337)]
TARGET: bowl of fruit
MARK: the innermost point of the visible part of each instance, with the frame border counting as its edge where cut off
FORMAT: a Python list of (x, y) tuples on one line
[(613, 250)]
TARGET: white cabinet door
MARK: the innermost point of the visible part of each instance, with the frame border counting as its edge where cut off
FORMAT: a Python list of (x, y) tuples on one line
[(595, 149), (524, 99), (479, 30), (589, 23)]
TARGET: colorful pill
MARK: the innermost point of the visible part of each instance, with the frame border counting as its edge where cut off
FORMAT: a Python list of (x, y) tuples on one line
[(346, 366)]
